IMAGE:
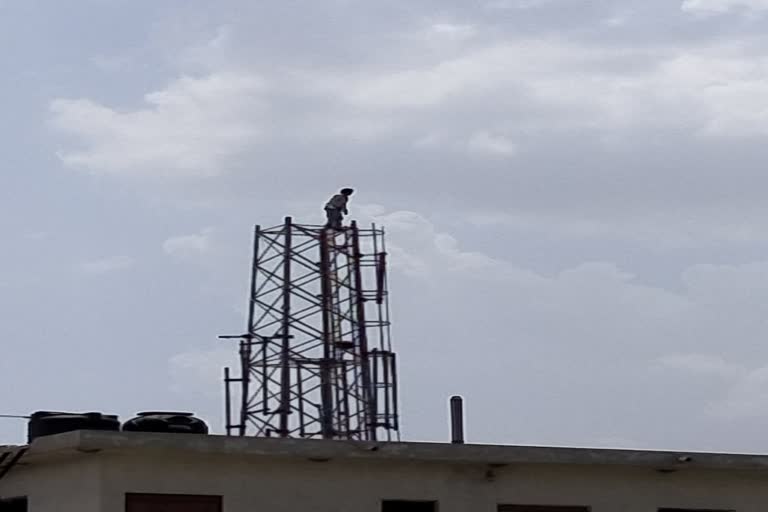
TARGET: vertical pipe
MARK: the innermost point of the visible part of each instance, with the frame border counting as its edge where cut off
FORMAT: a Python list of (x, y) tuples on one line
[(375, 358), (285, 370), (362, 333), (457, 420), (386, 356), (263, 351), (387, 313), (227, 402), (395, 407), (345, 396), (246, 344), (387, 364), (300, 391), (380, 319), (326, 298), (389, 417), (265, 378), (381, 268), (339, 393)]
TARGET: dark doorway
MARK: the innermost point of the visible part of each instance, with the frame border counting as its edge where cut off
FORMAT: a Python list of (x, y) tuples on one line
[(171, 503), (692, 510), (408, 506), (541, 508), (13, 505)]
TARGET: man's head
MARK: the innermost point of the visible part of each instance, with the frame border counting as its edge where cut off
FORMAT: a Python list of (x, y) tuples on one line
[(347, 191)]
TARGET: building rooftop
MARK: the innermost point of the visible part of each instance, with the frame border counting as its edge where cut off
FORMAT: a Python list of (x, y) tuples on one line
[(71, 443)]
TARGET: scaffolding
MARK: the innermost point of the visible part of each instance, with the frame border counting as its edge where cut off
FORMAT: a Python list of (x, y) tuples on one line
[(316, 360)]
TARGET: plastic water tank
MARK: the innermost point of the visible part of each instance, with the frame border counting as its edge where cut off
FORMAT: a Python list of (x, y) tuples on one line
[(47, 423), (166, 422)]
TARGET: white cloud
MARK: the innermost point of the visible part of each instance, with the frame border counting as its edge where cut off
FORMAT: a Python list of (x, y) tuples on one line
[(36, 235), (748, 397), (617, 20), (432, 85), (418, 249), (668, 229), (111, 63), (710, 90), (486, 143), (197, 126), (733, 108), (188, 245), (518, 4), (703, 364), (743, 393), (430, 140), (480, 143), (716, 6), (190, 128), (453, 31), (439, 36), (213, 53), (106, 265)]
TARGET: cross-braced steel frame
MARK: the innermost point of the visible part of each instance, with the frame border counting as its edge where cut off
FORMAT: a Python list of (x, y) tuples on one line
[(316, 360)]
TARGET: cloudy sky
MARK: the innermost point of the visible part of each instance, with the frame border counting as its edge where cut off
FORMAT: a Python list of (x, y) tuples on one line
[(574, 191)]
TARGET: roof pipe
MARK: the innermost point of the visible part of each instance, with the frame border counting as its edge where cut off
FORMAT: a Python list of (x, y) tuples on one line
[(457, 420)]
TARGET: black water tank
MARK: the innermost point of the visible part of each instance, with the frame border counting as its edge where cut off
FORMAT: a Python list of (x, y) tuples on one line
[(166, 422), (46, 423)]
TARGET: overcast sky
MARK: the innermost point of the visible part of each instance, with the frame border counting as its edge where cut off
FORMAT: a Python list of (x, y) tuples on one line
[(574, 191)]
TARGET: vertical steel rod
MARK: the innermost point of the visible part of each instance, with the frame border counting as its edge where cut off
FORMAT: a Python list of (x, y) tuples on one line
[(227, 403), (246, 345), (387, 381), (395, 407), (375, 356), (300, 390), (362, 334), (387, 314), (345, 396), (326, 300), (285, 360), (381, 292)]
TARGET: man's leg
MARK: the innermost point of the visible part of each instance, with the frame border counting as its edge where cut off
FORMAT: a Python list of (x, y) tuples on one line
[(334, 218), (337, 218)]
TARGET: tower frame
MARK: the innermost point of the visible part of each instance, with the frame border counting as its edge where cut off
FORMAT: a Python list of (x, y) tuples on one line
[(316, 360)]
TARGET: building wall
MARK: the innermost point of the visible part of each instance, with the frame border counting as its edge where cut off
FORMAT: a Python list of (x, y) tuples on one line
[(73, 484), (98, 483), (343, 485)]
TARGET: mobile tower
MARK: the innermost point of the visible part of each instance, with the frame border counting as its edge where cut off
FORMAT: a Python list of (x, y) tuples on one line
[(316, 360)]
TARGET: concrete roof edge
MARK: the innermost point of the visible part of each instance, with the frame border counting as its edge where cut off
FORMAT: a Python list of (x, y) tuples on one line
[(55, 443), (94, 441)]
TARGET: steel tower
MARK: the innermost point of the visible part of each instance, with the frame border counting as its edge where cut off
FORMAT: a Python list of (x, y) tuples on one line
[(316, 360)]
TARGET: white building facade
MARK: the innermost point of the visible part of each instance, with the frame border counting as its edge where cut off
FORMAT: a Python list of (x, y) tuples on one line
[(89, 471)]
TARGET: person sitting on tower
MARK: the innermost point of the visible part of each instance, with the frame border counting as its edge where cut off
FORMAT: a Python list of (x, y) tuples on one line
[(336, 208)]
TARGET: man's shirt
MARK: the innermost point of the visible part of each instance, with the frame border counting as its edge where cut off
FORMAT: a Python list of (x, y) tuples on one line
[(337, 202)]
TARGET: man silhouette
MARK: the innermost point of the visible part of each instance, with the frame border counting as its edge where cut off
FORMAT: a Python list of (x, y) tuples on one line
[(336, 208)]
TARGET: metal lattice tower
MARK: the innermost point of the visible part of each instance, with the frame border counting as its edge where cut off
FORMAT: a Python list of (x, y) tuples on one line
[(316, 360)]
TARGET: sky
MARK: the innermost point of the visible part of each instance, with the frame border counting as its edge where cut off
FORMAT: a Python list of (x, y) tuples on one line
[(573, 193)]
